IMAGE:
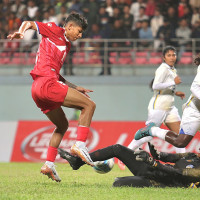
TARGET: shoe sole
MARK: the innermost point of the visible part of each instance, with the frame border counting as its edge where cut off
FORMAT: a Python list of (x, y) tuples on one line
[(49, 173), (75, 151)]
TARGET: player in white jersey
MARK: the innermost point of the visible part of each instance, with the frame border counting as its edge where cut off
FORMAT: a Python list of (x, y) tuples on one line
[(190, 122), (161, 107)]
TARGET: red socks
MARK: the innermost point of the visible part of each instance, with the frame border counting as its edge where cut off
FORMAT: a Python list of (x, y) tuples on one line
[(52, 153), (82, 133)]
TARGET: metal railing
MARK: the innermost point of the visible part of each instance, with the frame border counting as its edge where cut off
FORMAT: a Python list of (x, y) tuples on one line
[(103, 54)]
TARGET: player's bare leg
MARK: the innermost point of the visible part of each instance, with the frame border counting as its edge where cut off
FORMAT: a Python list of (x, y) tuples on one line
[(76, 99), (175, 127), (58, 118)]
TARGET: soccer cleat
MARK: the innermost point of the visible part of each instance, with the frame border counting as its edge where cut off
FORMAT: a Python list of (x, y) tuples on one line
[(50, 172), (75, 162), (82, 152), (143, 132), (121, 165)]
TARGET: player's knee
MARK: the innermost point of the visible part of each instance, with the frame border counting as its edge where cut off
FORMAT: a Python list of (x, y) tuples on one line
[(93, 105)]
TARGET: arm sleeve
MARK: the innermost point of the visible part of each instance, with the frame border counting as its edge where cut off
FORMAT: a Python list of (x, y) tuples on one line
[(195, 89), (46, 29), (169, 169), (161, 86), (170, 157), (159, 80)]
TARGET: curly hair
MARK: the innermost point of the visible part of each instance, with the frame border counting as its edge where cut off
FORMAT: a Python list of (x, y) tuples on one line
[(197, 60)]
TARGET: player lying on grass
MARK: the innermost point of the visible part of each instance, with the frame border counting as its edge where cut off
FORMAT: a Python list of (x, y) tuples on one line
[(147, 170), (190, 122)]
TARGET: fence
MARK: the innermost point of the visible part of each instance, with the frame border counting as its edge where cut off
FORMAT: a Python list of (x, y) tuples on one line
[(99, 56)]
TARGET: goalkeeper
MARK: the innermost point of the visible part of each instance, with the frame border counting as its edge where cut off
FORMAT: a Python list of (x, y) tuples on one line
[(147, 170)]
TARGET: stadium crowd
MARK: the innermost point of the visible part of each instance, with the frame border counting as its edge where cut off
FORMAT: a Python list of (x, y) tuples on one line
[(138, 19)]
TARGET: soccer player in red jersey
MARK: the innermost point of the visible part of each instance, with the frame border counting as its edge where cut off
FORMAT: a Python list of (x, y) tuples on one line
[(50, 90)]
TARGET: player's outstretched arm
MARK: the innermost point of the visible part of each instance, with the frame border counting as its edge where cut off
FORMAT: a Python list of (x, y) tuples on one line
[(22, 29)]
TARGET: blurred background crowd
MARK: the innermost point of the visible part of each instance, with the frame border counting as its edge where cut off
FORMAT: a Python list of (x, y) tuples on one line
[(153, 24), (143, 19)]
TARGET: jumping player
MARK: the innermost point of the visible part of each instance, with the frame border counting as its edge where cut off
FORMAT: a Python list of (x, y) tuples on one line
[(50, 90), (190, 122), (161, 107)]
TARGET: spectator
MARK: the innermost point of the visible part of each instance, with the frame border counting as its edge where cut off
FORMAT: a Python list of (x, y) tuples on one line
[(117, 32), (135, 7), (46, 17), (141, 16), (75, 6), (127, 19), (90, 10), (32, 9), (44, 6), (102, 17), (12, 20), (145, 34), (18, 8), (150, 8), (172, 17), (183, 32), (156, 22), (181, 7), (116, 15), (120, 4), (24, 15), (109, 7), (135, 32), (164, 35), (62, 15), (187, 14), (195, 16), (52, 15), (194, 3)]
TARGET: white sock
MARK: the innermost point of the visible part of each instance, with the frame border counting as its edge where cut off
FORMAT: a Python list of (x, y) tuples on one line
[(180, 150), (136, 143), (159, 132), (49, 163)]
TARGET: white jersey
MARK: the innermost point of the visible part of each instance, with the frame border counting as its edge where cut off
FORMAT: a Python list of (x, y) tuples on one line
[(164, 88), (194, 99), (190, 122)]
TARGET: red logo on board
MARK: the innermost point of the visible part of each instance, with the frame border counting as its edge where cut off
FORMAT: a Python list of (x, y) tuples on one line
[(34, 146)]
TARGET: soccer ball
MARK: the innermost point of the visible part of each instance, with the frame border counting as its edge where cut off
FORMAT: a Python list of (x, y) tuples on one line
[(103, 167)]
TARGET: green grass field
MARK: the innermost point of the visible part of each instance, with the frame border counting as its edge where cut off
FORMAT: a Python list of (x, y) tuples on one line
[(22, 181)]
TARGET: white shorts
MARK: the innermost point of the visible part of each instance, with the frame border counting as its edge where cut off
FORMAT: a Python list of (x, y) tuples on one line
[(163, 116), (190, 122)]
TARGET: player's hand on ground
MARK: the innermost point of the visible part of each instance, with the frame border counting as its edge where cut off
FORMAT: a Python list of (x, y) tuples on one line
[(143, 156), (15, 35), (84, 91), (177, 80), (180, 94), (154, 152)]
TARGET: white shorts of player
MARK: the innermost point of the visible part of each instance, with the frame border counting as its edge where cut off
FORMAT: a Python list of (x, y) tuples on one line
[(163, 116), (190, 122)]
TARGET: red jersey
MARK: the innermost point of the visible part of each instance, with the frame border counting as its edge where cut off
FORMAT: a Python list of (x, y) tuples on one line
[(52, 51)]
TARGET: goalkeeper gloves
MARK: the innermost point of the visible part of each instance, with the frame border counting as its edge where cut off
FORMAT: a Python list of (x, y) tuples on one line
[(143, 156), (154, 152)]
